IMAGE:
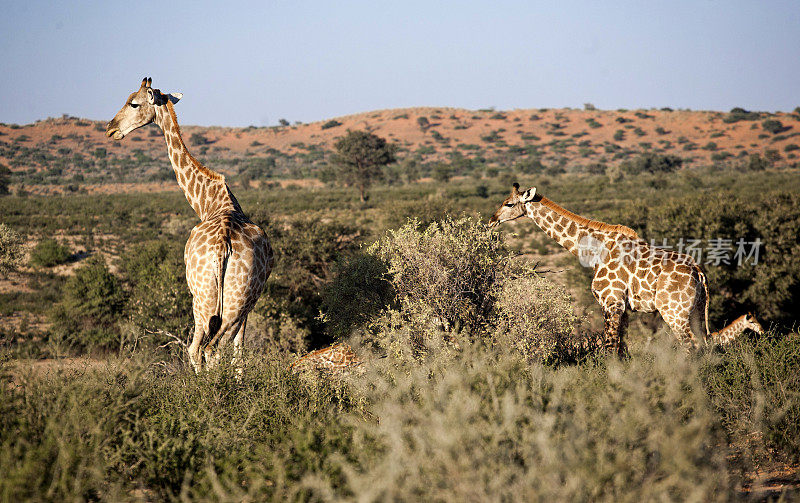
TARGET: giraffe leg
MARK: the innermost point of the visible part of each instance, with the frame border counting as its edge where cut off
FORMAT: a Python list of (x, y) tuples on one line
[(200, 332), (699, 325), (238, 346), (682, 329), (195, 357), (615, 317)]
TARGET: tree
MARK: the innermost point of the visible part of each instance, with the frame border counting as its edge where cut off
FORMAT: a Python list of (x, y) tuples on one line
[(11, 251), (442, 172), (48, 253), (198, 139), (5, 175), (92, 303), (360, 157), (772, 126), (652, 163), (423, 123)]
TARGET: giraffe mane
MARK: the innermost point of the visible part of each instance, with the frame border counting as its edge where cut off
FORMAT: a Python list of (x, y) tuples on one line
[(204, 170), (591, 224)]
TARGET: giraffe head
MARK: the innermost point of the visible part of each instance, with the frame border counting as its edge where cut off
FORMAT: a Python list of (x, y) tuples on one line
[(513, 207), (752, 323), (139, 109)]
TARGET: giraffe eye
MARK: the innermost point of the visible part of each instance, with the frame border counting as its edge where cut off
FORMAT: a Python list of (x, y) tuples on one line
[(134, 105), (510, 205)]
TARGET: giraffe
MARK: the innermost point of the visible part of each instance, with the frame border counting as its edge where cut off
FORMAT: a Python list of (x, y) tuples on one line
[(228, 258), (628, 272), (736, 327), (335, 358)]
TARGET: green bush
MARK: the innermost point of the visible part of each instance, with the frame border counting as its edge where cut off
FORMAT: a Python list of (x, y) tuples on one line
[(535, 316), (358, 292), (331, 124), (5, 177), (123, 429), (529, 165), (442, 172), (756, 163), (306, 251), (91, 307), (478, 423), (11, 251), (772, 126), (445, 273), (597, 168), (198, 139), (755, 386), (158, 297), (652, 163), (48, 253), (740, 114), (772, 155), (485, 425), (471, 421)]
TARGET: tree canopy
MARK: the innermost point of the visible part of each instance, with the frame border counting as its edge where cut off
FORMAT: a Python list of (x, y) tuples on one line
[(360, 157)]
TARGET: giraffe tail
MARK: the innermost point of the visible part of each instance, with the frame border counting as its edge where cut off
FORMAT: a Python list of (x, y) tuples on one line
[(223, 252), (704, 281)]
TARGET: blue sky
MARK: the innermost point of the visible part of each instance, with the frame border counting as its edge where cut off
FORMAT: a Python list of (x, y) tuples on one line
[(253, 63)]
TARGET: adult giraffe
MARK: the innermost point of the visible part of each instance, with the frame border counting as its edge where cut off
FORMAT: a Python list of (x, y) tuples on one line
[(628, 272), (228, 257)]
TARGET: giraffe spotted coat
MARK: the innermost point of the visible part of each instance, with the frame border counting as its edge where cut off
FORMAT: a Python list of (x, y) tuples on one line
[(335, 358)]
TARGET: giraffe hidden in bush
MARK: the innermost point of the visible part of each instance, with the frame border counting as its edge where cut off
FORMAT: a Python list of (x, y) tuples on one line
[(228, 257), (628, 272), (335, 358)]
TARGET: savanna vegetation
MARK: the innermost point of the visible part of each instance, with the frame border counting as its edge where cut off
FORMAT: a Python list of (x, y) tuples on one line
[(481, 380)]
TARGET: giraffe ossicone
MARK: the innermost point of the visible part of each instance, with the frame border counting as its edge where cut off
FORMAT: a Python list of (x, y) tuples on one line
[(629, 273), (228, 257)]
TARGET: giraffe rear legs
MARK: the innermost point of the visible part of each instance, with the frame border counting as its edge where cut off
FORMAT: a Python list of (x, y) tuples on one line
[(682, 330), (212, 350)]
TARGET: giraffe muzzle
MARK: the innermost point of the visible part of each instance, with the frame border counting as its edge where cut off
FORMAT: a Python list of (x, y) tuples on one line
[(115, 133)]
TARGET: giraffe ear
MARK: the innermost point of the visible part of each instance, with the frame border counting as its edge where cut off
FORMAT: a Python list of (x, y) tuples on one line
[(528, 195), (174, 97), (151, 98)]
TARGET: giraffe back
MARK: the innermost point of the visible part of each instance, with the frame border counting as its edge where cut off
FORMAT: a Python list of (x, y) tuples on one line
[(337, 357)]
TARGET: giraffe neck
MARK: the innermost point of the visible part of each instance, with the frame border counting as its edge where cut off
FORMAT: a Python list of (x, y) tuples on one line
[(206, 190), (565, 227), (730, 332)]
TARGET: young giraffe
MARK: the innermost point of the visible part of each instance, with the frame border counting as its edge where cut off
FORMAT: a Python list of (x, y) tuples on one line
[(228, 257), (736, 327), (337, 357), (628, 272)]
